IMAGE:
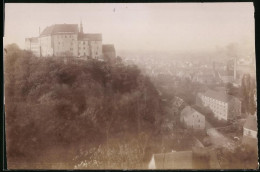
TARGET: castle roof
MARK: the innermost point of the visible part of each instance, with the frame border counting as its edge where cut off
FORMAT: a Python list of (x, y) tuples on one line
[(60, 28), (174, 160), (70, 28), (108, 48)]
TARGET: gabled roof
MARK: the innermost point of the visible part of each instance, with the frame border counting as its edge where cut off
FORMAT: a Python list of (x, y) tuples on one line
[(60, 28), (174, 160), (187, 111), (251, 123), (218, 95)]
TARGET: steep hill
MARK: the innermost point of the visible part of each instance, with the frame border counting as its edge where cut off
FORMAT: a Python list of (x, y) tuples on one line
[(59, 108)]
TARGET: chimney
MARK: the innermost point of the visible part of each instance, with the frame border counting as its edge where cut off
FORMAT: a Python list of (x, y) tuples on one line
[(235, 68), (81, 27)]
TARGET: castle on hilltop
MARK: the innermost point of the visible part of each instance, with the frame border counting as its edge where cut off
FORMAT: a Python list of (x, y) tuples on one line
[(69, 40)]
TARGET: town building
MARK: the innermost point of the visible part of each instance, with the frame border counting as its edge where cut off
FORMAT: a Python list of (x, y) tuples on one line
[(207, 78), (172, 160), (192, 119), (250, 132), (250, 127), (66, 40), (184, 75), (228, 72), (226, 76), (224, 106)]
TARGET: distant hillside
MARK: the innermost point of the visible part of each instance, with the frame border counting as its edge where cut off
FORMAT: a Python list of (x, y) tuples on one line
[(55, 108)]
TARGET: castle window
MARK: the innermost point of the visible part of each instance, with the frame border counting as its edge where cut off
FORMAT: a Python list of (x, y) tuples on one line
[(65, 36), (84, 43)]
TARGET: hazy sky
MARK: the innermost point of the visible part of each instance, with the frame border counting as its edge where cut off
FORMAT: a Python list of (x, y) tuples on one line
[(148, 27)]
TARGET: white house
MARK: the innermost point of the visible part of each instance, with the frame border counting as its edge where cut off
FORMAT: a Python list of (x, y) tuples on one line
[(192, 119), (223, 106)]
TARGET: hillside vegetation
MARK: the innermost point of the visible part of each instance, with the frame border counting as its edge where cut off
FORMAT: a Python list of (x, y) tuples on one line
[(68, 110)]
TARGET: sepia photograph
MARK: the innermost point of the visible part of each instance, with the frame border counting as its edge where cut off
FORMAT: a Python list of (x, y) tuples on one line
[(130, 86)]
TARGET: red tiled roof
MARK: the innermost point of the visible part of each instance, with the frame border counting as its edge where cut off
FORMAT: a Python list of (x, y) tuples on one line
[(60, 28)]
